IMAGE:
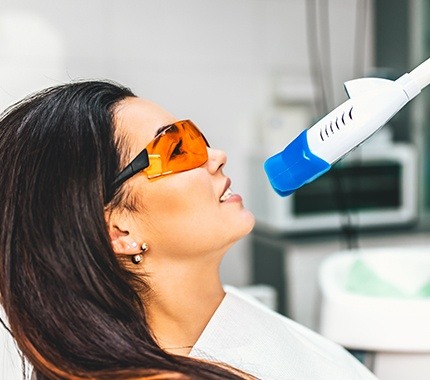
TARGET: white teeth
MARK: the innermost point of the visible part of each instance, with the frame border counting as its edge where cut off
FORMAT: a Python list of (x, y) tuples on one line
[(227, 194)]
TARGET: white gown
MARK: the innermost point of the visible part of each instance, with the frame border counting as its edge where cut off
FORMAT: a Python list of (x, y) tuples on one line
[(249, 336), (11, 365)]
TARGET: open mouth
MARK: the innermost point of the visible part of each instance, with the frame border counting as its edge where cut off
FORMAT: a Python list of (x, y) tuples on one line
[(227, 194)]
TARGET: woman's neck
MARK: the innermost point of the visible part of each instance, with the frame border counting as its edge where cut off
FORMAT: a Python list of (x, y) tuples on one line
[(183, 299)]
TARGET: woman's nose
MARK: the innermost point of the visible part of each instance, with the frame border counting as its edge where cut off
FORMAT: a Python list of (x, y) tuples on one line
[(216, 160)]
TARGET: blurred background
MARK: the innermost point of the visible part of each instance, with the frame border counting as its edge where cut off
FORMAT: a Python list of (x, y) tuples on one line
[(253, 74)]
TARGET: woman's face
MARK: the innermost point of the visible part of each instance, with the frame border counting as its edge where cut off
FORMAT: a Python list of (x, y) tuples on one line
[(179, 215)]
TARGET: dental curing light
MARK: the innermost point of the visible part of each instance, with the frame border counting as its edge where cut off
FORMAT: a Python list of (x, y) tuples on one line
[(372, 103)]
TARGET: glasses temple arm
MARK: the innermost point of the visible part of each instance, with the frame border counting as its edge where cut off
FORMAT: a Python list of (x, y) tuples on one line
[(138, 164)]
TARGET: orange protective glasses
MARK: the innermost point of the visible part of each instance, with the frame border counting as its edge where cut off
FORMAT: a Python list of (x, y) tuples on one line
[(176, 148)]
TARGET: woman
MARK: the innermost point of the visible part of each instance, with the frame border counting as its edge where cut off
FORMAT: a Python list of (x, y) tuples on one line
[(115, 217)]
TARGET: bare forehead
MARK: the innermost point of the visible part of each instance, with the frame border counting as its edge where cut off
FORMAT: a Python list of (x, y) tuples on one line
[(139, 119)]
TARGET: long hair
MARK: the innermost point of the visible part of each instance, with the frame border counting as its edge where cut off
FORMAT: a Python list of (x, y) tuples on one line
[(72, 307)]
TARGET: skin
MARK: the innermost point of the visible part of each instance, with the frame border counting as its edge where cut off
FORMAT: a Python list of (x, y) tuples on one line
[(187, 228)]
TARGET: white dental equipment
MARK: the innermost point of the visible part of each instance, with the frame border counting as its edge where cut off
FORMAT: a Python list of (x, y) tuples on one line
[(373, 102)]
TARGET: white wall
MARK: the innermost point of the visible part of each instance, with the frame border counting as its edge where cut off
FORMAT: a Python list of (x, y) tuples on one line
[(212, 61)]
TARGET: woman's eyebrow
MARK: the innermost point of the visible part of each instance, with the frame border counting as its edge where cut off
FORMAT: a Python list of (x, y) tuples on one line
[(162, 129)]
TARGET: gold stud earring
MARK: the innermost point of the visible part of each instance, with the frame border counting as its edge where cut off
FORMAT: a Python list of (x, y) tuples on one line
[(136, 259)]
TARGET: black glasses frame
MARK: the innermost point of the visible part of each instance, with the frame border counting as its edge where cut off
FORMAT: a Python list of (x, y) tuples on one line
[(140, 163)]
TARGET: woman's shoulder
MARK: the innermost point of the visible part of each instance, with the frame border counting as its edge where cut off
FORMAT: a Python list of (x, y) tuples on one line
[(248, 335)]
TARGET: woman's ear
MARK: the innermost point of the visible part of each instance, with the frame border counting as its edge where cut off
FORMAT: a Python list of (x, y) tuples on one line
[(120, 236)]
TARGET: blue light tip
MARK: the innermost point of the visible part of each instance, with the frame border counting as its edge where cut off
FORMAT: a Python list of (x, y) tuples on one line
[(295, 166)]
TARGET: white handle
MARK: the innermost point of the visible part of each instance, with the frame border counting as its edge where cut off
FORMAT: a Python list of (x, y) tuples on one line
[(421, 74)]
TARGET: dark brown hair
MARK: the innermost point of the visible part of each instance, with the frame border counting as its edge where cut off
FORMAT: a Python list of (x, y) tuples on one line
[(72, 308)]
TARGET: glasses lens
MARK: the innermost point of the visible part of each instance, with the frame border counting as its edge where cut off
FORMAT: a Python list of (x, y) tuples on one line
[(178, 148)]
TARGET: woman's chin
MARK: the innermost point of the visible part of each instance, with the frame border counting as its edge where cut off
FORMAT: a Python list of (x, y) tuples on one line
[(247, 224)]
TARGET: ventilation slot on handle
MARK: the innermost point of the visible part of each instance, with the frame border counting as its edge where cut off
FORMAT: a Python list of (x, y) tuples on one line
[(324, 132)]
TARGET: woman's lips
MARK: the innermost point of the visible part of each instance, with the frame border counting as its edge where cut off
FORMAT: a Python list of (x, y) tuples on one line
[(228, 195)]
